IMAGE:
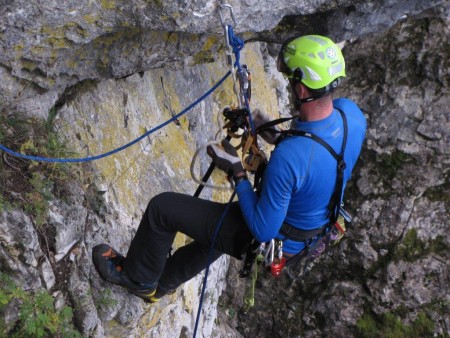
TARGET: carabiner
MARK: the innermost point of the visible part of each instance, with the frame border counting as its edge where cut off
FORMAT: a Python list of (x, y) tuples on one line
[(222, 21), (229, 49), (279, 262), (269, 253)]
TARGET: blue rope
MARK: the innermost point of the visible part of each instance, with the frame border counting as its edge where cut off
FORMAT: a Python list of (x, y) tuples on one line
[(210, 253), (237, 44), (92, 158)]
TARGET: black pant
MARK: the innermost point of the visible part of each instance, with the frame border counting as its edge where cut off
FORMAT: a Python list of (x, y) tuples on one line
[(168, 213)]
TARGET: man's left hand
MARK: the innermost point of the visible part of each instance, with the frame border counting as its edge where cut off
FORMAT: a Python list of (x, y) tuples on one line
[(226, 158)]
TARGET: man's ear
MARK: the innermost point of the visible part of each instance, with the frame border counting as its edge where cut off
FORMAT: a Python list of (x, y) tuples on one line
[(302, 91)]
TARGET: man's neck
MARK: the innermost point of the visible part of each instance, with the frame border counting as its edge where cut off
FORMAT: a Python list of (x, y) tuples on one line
[(315, 111)]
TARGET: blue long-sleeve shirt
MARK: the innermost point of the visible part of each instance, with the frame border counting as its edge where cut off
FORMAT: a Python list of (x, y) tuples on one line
[(301, 176)]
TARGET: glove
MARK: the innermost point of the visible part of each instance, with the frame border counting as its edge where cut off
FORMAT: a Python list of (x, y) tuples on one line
[(226, 158), (259, 118)]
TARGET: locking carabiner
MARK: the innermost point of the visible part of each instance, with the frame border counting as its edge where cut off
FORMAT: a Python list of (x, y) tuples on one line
[(279, 262), (223, 6), (229, 49)]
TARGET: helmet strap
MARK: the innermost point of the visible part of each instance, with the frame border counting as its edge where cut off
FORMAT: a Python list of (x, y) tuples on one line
[(298, 101), (311, 98), (319, 94)]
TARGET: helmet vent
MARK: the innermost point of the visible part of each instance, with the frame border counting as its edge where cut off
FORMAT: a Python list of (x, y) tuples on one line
[(311, 55), (317, 39), (335, 69), (313, 75), (321, 55)]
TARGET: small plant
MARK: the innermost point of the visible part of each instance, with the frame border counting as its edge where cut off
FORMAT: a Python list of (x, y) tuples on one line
[(33, 184), (106, 300), (413, 248), (367, 326), (39, 197), (4, 204), (423, 326), (37, 316), (388, 325)]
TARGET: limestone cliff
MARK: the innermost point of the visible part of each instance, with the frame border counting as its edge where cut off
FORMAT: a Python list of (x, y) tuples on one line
[(82, 78)]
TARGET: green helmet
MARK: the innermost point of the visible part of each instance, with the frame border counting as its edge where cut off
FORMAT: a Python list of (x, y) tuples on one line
[(314, 60)]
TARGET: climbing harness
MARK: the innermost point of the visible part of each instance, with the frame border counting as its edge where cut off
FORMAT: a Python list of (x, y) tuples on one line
[(317, 241)]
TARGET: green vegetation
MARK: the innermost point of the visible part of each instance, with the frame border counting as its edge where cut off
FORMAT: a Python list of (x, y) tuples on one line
[(29, 184), (412, 248), (105, 300), (37, 316), (440, 193), (389, 165), (388, 325)]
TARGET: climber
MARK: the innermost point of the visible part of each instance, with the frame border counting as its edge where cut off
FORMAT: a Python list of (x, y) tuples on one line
[(297, 185)]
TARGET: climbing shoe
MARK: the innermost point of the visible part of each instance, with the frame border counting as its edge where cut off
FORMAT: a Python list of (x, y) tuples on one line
[(159, 294), (109, 265)]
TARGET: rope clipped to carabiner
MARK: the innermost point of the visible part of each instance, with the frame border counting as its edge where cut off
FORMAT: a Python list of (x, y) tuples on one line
[(235, 45), (241, 76)]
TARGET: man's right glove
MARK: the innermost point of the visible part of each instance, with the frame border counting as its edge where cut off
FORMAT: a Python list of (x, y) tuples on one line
[(259, 119), (226, 158)]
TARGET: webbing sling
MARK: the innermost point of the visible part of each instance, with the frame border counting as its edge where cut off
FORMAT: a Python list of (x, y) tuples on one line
[(291, 232)]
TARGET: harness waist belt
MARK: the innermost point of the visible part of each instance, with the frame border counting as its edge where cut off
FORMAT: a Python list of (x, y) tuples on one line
[(299, 235)]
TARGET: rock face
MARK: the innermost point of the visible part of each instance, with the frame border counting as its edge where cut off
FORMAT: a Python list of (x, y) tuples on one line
[(46, 47), (102, 73)]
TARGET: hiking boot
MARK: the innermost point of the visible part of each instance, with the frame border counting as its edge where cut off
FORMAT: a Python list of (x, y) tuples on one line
[(159, 294), (109, 265)]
